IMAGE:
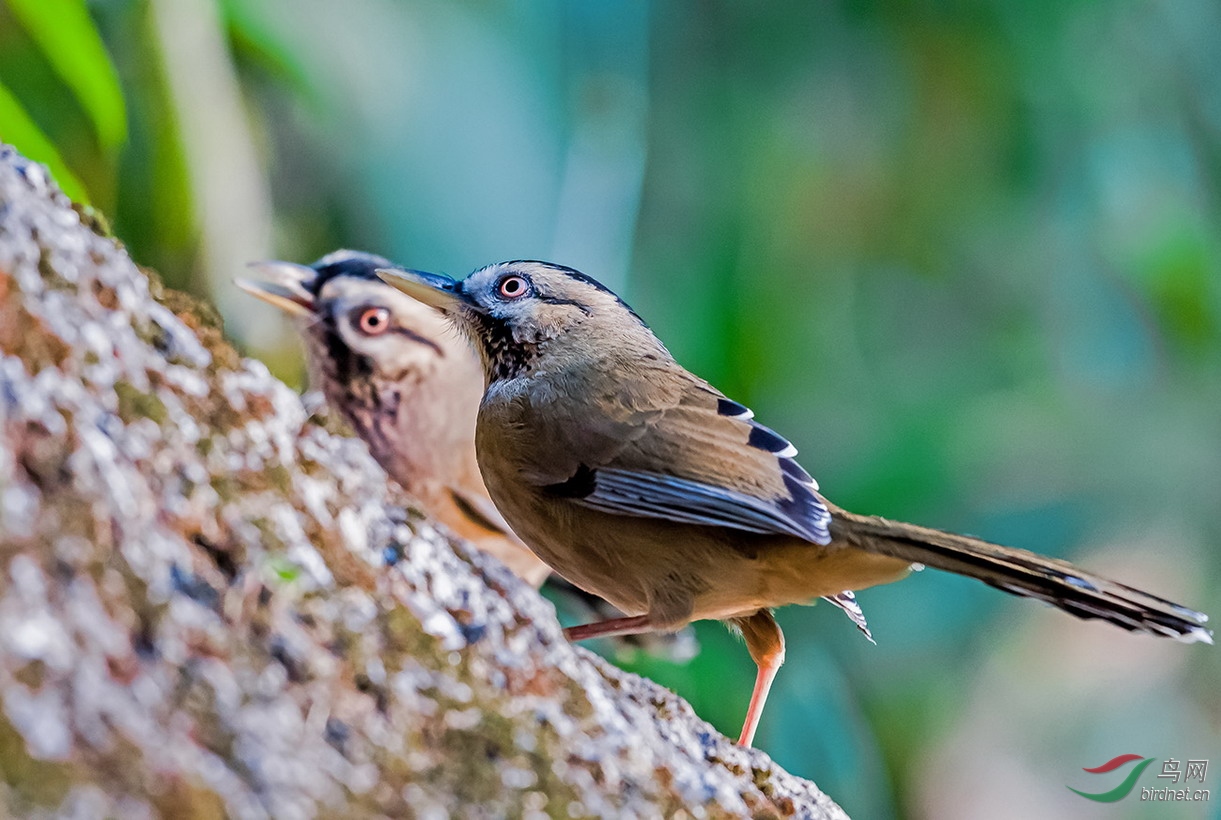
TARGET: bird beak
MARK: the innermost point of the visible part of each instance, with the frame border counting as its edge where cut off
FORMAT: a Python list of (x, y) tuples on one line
[(432, 289), (287, 286)]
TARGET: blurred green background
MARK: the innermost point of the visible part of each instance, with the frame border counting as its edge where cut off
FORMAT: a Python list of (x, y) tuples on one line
[(966, 255)]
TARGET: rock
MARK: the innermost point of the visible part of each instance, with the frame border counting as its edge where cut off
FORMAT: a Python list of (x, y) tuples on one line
[(211, 606)]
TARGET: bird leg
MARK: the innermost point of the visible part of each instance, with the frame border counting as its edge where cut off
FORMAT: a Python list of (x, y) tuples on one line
[(609, 628), (766, 644)]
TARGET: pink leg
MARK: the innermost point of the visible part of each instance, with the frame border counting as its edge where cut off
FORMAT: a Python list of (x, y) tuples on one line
[(763, 684), (766, 644), (609, 629)]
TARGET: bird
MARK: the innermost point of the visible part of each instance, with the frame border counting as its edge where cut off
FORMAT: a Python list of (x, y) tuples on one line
[(405, 382), (409, 385), (642, 483)]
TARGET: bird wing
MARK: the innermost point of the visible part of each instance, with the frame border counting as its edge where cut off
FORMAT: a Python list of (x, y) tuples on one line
[(668, 445), (656, 495)]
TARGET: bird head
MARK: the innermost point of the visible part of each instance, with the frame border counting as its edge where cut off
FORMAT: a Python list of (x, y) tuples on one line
[(397, 370), (517, 313), (356, 326)]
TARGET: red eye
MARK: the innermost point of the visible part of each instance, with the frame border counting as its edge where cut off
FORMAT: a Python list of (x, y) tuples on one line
[(373, 321), (512, 287)]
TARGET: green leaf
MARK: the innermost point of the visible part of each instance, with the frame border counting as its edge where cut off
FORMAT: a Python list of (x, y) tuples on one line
[(68, 37), (18, 130)]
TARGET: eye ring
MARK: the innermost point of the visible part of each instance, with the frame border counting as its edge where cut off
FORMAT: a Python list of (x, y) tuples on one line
[(513, 287), (373, 321)]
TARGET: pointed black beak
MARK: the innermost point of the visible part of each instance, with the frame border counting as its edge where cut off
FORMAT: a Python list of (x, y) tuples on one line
[(432, 289)]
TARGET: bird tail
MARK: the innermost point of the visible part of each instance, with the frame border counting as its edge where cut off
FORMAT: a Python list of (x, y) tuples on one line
[(1019, 572)]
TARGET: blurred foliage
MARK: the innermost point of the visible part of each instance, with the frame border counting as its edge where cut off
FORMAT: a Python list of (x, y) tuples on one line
[(966, 255), (70, 43), (67, 45)]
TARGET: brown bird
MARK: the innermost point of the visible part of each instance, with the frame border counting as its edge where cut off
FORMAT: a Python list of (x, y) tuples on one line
[(409, 385), (406, 382), (642, 483)]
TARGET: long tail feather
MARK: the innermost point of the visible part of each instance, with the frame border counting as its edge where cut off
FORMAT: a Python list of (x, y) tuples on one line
[(1019, 572)]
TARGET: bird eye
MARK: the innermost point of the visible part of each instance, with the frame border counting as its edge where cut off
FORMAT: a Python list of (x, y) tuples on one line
[(512, 287), (373, 321)]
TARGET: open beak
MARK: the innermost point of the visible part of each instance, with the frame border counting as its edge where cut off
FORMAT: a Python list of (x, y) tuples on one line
[(432, 289), (287, 286)]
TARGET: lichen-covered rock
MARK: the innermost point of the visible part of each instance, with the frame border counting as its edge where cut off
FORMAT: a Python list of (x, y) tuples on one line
[(211, 606)]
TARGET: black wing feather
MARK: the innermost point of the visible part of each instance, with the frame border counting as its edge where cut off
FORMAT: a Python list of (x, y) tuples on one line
[(653, 495)]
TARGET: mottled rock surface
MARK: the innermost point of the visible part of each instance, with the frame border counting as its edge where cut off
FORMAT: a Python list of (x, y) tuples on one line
[(211, 606)]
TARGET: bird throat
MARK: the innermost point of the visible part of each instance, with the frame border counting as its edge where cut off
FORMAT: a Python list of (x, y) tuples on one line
[(505, 356)]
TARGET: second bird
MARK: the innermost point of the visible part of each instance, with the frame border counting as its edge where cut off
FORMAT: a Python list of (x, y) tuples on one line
[(640, 482), (405, 381), (409, 384)]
